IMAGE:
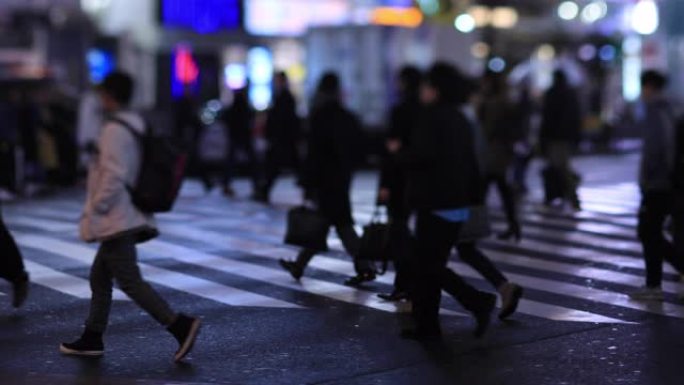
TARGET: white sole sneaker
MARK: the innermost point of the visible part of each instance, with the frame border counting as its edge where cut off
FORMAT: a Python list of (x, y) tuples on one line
[(85, 353), (189, 341)]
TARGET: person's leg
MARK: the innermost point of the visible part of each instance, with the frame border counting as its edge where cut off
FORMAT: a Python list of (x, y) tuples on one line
[(90, 343), (11, 263), (509, 205), (652, 216), (101, 285), (510, 292), (471, 255), (12, 266), (365, 270), (433, 243), (296, 268), (229, 165), (121, 257)]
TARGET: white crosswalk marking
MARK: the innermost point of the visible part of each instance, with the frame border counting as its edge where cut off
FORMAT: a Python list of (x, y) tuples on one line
[(64, 283), (335, 265), (589, 257), (177, 281)]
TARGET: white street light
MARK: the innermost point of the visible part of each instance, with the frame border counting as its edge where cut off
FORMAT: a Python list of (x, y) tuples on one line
[(645, 18), (465, 23), (568, 10)]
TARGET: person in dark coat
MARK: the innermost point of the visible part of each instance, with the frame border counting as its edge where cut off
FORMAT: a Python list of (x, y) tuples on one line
[(498, 120), (239, 121), (12, 266), (327, 175), (282, 134), (559, 137), (393, 179), (443, 182)]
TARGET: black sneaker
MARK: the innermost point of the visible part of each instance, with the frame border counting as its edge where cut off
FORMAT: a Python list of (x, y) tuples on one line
[(89, 345), (295, 271), (21, 289), (360, 279), (185, 329), (484, 315)]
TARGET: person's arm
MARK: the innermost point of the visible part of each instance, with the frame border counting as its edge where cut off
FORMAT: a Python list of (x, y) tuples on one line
[(114, 164)]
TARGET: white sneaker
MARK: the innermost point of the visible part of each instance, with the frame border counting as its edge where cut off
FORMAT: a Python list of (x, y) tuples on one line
[(647, 294)]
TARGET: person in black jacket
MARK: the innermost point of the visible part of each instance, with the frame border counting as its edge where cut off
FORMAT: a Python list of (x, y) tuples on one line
[(393, 178), (282, 134), (12, 266), (239, 120), (443, 181), (559, 136), (498, 121), (327, 175)]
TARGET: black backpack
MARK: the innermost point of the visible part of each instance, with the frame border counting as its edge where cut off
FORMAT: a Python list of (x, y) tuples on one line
[(161, 172)]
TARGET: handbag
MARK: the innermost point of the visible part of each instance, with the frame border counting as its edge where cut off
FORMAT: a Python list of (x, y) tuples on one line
[(477, 226), (375, 242), (307, 228)]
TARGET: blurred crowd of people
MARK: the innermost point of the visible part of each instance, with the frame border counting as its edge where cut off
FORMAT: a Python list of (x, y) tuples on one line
[(450, 137)]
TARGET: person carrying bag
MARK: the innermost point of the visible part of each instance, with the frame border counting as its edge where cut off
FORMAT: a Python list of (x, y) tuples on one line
[(326, 179)]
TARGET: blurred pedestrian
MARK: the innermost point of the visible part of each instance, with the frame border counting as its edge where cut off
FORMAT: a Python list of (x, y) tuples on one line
[(498, 117), (282, 135), (559, 138), (112, 219), (238, 120), (12, 266), (332, 156), (659, 196), (444, 182), (393, 178)]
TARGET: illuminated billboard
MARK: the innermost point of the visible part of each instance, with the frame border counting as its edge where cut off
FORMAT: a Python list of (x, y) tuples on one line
[(202, 16), (294, 17)]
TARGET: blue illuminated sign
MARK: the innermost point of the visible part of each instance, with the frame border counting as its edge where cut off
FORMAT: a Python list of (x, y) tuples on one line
[(202, 16), (100, 64)]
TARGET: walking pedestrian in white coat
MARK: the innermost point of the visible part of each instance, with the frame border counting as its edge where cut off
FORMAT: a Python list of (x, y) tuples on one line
[(112, 219)]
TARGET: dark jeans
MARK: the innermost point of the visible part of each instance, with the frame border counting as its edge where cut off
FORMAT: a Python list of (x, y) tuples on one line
[(507, 197), (656, 207), (435, 239), (351, 242), (117, 260), (11, 264)]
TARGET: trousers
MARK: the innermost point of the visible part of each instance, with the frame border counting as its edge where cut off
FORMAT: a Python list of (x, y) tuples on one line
[(116, 260), (435, 238), (656, 207), (11, 263)]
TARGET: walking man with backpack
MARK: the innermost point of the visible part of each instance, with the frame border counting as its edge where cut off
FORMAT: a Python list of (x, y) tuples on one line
[(111, 218), (658, 189)]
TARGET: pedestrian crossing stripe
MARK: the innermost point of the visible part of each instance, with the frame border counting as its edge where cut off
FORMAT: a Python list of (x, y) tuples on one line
[(340, 266), (171, 279), (335, 265), (64, 283)]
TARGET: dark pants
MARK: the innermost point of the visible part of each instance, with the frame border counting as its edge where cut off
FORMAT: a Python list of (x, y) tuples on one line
[(11, 264), (470, 254), (656, 207), (277, 158), (351, 242), (231, 161), (117, 260), (435, 239), (507, 197)]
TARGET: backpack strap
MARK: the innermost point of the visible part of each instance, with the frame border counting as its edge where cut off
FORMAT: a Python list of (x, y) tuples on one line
[(138, 136)]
